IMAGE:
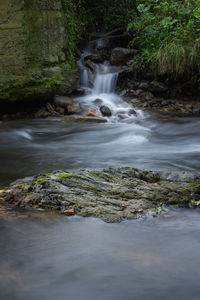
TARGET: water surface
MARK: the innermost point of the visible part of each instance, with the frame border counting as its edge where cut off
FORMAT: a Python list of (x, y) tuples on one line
[(84, 259)]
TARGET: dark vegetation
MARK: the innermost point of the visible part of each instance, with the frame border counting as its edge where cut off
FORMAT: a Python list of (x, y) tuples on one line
[(166, 33)]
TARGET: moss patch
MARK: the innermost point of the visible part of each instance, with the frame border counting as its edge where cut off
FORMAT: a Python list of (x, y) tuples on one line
[(67, 175)]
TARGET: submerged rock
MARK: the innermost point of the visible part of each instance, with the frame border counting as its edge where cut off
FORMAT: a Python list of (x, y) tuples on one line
[(82, 119), (112, 194)]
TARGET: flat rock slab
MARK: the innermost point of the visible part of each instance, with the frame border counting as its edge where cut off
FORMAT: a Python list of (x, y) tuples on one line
[(82, 119), (111, 194)]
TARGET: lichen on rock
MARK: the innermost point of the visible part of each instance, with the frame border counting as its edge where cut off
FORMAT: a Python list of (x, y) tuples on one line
[(112, 194)]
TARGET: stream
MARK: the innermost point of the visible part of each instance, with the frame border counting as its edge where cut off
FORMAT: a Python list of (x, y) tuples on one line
[(54, 257)]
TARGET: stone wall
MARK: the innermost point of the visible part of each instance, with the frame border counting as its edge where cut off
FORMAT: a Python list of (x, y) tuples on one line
[(32, 56)]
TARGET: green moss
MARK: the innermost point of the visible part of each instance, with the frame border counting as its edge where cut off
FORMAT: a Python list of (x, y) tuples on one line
[(93, 174), (41, 180), (49, 174), (193, 184), (91, 186), (67, 175)]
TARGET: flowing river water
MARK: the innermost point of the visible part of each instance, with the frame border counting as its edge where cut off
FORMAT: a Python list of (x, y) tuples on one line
[(53, 257)]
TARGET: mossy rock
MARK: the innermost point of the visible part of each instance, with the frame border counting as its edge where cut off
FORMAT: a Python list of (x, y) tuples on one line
[(82, 119)]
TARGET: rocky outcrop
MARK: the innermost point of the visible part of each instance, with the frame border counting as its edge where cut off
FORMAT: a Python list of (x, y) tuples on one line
[(111, 194), (32, 57)]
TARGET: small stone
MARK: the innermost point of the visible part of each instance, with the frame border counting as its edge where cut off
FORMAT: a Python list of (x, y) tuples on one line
[(60, 110), (69, 212), (196, 111), (105, 110), (137, 92), (74, 107), (92, 113), (122, 117), (98, 102), (132, 112), (143, 86)]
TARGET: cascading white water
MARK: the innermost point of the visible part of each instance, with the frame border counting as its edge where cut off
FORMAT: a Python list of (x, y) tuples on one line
[(85, 78), (101, 85), (105, 83)]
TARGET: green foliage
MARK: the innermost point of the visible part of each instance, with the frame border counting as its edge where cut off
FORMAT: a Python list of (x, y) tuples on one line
[(168, 35), (76, 22)]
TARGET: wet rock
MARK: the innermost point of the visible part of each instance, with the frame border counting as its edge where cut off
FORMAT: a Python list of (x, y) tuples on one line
[(79, 92), (51, 110), (125, 77), (62, 101), (60, 110), (74, 107), (42, 113), (71, 119), (143, 86), (196, 111), (90, 65), (92, 113), (96, 58), (183, 176), (98, 102), (105, 110), (137, 92), (112, 194), (122, 117), (165, 102), (132, 112), (146, 96), (69, 212), (120, 56), (157, 87)]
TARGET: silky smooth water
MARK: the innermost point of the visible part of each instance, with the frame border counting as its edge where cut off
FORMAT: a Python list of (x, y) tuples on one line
[(29, 147), (48, 258)]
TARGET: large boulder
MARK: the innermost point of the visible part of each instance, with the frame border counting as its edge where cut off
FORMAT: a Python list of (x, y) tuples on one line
[(120, 56)]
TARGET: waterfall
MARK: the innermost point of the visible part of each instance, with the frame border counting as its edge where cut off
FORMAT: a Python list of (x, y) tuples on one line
[(101, 84), (105, 83)]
